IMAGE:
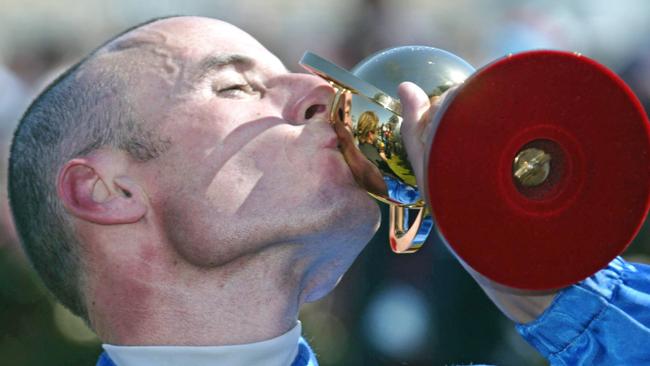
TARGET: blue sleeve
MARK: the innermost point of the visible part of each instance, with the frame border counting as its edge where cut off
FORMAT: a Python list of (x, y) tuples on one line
[(603, 320)]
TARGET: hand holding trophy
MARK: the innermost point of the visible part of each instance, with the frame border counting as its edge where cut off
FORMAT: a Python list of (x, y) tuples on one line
[(536, 169)]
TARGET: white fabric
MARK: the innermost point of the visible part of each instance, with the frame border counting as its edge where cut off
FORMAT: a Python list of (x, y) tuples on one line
[(279, 351)]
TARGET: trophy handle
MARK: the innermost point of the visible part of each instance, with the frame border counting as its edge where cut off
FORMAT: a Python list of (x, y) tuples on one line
[(405, 239)]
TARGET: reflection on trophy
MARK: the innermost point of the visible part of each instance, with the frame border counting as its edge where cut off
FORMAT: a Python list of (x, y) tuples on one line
[(538, 172)]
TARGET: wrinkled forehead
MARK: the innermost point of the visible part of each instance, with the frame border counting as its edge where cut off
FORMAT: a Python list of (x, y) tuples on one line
[(191, 39)]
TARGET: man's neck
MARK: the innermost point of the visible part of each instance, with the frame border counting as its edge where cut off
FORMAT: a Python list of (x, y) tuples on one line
[(168, 302)]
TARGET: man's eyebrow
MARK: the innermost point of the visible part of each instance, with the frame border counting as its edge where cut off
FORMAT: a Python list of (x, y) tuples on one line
[(213, 62)]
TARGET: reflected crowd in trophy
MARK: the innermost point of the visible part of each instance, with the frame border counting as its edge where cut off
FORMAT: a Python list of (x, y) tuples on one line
[(374, 140), (381, 144), (420, 309)]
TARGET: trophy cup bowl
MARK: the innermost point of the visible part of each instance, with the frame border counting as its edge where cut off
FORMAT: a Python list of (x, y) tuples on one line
[(538, 172)]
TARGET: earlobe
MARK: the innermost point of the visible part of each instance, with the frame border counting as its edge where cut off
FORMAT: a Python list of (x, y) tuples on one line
[(99, 198)]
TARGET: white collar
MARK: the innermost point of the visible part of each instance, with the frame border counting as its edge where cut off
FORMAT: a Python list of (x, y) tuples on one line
[(279, 351)]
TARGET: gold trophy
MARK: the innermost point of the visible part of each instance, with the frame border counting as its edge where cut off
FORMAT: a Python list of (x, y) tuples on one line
[(538, 172)]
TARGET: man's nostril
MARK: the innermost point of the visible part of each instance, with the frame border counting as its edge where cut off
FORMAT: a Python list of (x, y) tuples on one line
[(313, 110)]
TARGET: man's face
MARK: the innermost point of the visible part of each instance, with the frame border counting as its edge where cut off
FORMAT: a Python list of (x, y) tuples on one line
[(253, 160)]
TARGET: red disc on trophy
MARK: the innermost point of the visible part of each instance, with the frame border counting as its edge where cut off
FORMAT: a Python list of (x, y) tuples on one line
[(539, 170)]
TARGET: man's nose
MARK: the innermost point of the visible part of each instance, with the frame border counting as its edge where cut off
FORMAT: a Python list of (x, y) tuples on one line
[(307, 98)]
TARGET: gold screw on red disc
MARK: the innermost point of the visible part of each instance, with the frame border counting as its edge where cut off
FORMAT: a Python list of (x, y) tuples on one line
[(531, 167)]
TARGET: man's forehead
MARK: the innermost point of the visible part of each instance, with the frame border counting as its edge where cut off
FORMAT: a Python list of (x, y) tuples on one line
[(188, 35), (177, 52), (188, 42)]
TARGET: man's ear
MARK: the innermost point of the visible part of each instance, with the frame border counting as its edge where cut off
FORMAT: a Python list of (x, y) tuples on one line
[(93, 190)]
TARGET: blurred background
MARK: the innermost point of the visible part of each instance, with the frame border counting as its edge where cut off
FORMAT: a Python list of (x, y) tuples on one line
[(420, 309)]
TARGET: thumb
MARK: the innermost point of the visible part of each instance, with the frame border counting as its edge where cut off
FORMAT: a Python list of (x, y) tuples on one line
[(415, 101), (415, 118)]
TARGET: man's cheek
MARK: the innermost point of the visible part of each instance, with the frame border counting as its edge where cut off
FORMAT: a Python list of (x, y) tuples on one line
[(274, 153), (234, 182)]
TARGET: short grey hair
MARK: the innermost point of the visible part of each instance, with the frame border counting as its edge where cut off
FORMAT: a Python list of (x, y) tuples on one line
[(79, 112)]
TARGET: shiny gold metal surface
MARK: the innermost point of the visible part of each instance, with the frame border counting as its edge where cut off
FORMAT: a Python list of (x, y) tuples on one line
[(367, 101), (402, 237), (531, 167), (343, 79), (375, 112)]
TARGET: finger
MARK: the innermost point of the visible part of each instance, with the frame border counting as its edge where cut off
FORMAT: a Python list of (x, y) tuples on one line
[(415, 107), (415, 103)]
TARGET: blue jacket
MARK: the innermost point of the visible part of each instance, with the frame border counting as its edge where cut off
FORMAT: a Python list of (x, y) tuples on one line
[(603, 320)]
